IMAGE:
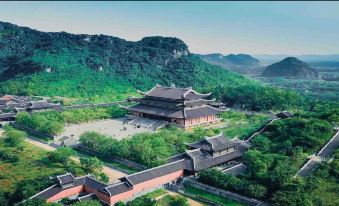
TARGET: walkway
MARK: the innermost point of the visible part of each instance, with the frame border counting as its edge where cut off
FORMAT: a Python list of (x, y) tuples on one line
[(322, 155), (110, 172), (261, 130)]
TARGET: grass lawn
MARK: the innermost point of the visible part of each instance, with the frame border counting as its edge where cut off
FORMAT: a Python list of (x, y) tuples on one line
[(212, 197), (240, 125), (156, 193), (28, 166)]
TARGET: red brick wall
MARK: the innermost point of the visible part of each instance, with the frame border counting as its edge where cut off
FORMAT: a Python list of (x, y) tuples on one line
[(66, 193), (146, 186)]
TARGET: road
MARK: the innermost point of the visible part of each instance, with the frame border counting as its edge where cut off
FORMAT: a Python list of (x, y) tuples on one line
[(110, 172), (321, 156)]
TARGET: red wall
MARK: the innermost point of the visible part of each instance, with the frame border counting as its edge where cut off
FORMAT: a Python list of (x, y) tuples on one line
[(66, 193)]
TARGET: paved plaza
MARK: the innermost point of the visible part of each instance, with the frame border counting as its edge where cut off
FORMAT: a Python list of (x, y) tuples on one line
[(115, 128)]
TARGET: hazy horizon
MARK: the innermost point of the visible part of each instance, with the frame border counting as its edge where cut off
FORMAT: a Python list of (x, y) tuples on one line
[(256, 28)]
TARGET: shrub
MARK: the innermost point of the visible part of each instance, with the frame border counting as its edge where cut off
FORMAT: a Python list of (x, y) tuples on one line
[(61, 155), (15, 137), (8, 156)]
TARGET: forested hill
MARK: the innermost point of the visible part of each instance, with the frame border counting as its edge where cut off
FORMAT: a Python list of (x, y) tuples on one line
[(48, 63), (291, 67), (99, 68)]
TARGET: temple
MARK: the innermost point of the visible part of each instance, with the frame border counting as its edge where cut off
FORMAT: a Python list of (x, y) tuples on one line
[(209, 152), (183, 107)]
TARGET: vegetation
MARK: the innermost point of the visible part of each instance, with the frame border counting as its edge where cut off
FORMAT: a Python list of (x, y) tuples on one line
[(150, 149), (52, 122), (167, 200), (15, 138), (94, 166), (25, 169), (29, 174), (61, 155), (257, 97), (241, 125), (318, 189), (274, 159), (215, 198), (35, 202)]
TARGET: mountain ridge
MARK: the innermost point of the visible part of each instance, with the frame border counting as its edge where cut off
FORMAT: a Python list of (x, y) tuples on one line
[(230, 60)]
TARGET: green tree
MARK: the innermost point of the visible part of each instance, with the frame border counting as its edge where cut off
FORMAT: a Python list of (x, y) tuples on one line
[(141, 201), (15, 137), (179, 201), (91, 164), (60, 155)]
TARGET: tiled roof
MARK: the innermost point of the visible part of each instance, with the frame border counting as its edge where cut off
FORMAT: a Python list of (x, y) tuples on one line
[(155, 172), (214, 144), (65, 179), (40, 105), (159, 111), (174, 93), (175, 113), (7, 115), (201, 111), (159, 102), (118, 188), (202, 160)]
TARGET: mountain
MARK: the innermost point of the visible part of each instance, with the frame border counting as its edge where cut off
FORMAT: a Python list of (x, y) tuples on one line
[(230, 60), (291, 67), (98, 67), (313, 60)]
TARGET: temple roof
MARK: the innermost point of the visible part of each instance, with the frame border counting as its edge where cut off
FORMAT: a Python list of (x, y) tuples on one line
[(155, 110), (201, 111), (213, 144), (174, 93), (175, 113), (202, 160)]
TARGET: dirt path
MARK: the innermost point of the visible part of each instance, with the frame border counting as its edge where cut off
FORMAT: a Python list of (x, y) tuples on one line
[(110, 172)]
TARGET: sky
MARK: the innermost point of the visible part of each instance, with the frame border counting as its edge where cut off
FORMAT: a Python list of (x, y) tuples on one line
[(293, 28)]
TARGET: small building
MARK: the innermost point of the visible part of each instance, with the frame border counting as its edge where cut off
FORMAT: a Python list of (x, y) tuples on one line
[(183, 107), (284, 115)]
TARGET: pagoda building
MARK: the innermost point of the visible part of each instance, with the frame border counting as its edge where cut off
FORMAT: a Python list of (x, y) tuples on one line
[(183, 107)]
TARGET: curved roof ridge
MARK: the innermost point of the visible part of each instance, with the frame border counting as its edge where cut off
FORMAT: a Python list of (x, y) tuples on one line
[(145, 93)]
